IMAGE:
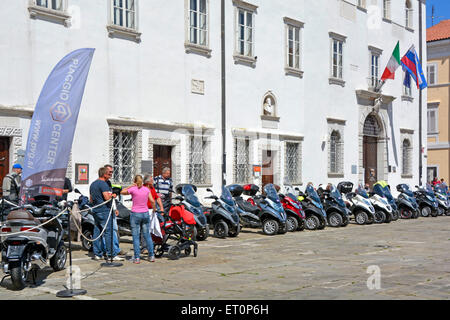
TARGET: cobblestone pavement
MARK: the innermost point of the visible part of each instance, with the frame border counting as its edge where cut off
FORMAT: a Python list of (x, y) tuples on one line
[(413, 257)]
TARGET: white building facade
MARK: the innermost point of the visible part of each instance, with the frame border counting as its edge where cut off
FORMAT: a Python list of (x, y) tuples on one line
[(297, 81)]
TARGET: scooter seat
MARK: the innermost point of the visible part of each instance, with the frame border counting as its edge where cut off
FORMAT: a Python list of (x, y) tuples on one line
[(22, 215), (246, 206)]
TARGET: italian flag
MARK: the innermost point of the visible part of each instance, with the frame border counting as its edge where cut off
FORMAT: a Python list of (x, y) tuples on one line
[(393, 64)]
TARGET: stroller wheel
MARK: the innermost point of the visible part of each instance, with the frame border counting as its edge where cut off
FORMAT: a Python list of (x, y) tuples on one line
[(174, 252), (187, 251)]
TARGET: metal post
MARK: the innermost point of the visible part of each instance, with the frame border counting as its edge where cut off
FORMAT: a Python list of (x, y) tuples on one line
[(224, 132), (420, 95), (70, 292)]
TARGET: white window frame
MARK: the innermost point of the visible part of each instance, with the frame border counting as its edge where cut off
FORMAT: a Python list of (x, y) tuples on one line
[(296, 27), (205, 160), (49, 4), (387, 9), (338, 153), (124, 31), (362, 4), (338, 77), (196, 47), (374, 69), (46, 11), (297, 180), (433, 108), (238, 179), (432, 80), (124, 13), (408, 14), (247, 9)]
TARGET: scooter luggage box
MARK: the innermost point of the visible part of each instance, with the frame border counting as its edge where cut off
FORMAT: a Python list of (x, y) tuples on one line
[(235, 190), (251, 189), (179, 188), (345, 187)]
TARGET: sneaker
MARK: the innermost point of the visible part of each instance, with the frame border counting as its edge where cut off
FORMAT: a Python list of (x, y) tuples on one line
[(117, 258), (151, 259), (97, 258), (137, 261)]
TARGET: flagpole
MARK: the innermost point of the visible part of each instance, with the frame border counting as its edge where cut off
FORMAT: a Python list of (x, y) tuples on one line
[(420, 95)]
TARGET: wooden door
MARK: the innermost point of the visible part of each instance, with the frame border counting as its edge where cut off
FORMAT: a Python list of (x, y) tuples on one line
[(162, 157), (4, 159), (370, 158), (267, 167)]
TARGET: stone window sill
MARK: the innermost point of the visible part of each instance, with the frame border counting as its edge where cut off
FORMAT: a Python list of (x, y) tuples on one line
[(270, 118), (122, 32), (335, 175), (407, 176), (337, 81), (409, 29), (238, 58), (53, 15), (362, 9), (407, 98), (199, 49), (387, 20), (293, 72)]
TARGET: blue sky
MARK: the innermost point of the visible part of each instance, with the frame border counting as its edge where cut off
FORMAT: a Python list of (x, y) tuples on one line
[(441, 11)]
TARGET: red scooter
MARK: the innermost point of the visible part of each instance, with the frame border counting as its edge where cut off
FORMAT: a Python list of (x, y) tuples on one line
[(294, 211)]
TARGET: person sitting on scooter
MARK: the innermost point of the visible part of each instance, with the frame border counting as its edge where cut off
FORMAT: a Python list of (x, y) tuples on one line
[(139, 217)]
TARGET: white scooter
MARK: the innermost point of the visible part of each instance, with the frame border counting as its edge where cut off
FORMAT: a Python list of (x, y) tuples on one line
[(358, 202), (383, 211)]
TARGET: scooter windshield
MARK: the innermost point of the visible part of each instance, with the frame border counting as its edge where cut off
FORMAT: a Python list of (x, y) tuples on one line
[(271, 193), (312, 193), (362, 192), (227, 197), (429, 190), (190, 195), (336, 195)]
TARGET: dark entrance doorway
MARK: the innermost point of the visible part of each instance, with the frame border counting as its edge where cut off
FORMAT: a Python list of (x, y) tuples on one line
[(371, 134), (4, 160), (267, 167), (162, 157)]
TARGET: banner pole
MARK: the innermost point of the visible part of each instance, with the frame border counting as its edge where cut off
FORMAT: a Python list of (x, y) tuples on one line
[(70, 292)]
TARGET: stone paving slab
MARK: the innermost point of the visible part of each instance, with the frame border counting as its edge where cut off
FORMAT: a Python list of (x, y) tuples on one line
[(412, 255)]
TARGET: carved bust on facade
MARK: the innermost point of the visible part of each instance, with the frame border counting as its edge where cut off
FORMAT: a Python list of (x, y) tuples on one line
[(269, 106)]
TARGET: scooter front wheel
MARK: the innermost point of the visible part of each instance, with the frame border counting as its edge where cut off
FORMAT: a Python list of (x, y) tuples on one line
[(379, 217), (335, 220), (220, 229), (361, 218), (58, 261), (292, 224), (270, 227), (425, 211), (312, 222)]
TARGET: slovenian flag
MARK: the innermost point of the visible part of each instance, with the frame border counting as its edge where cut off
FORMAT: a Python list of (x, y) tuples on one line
[(393, 64), (411, 65)]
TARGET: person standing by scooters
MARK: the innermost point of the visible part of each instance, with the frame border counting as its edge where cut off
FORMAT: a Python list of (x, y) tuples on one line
[(148, 182), (11, 183), (139, 217), (100, 192), (163, 185)]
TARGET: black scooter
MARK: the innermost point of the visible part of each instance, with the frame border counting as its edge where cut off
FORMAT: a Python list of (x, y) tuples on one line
[(427, 201), (406, 202), (333, 204), (222, 215), (249, 215)]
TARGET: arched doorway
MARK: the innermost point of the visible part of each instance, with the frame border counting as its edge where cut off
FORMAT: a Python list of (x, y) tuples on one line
[(371, 136)]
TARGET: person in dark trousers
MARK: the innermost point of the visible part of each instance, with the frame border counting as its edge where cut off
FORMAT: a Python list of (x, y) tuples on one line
[(100, 192), (67, 188), (163, 186), (11, 183)]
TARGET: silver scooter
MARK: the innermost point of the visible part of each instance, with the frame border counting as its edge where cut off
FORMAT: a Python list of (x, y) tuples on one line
[(34, 247)]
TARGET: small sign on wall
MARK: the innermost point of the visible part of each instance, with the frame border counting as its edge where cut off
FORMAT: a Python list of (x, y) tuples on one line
[(81, 173), (257, 171), (198, 86)]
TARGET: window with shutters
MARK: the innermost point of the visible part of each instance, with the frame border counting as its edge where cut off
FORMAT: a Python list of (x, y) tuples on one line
[(244, 48), (387, 9), (432, 73), (408, 14), (197, 27), (432, 119)]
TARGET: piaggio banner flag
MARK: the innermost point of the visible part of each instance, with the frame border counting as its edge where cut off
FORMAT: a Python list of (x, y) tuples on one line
[(53, 125)]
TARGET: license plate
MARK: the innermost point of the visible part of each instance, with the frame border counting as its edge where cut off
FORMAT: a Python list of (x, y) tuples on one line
[(15, 251)]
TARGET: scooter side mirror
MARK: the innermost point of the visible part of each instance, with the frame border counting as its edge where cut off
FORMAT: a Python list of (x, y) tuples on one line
[(208, 189), (77, 191)]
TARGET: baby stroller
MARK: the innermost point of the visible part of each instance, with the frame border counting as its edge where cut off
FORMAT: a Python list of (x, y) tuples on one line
[(178, 227)]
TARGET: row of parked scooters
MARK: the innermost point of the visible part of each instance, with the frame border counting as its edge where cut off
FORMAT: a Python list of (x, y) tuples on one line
[(277, 213)]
